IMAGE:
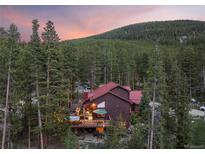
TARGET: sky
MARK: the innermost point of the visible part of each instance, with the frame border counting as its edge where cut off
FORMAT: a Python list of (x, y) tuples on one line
[(79, 21)]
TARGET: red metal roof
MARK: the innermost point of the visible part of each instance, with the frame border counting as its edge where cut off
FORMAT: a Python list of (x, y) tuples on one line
[(128, 100), (102, 90), (109, 92), (135, 96)]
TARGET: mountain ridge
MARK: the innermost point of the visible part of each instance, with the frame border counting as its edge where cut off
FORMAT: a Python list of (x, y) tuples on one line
[(164, 30)]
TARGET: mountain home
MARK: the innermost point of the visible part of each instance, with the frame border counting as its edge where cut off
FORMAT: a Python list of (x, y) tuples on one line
[(118, 102)]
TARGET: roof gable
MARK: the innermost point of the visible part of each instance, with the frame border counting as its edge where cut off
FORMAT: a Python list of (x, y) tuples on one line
[(105, 89), (134, 96), (102, 90), (121, 97), (111, 93)]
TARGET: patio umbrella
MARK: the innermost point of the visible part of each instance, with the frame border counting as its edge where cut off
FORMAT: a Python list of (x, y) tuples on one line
[(100, 111)]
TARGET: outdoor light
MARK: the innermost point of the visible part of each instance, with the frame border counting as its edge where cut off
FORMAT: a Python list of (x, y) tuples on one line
[(93, 105)]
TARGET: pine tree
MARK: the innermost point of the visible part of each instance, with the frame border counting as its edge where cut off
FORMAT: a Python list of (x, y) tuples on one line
[(167, 121), (3, 65), (188, 65), (112, 140), (53, 74), (197, 133), (138, 136), (69, 63), (181, 109), (37, 73), (157, 92), (24, 85), (71, 140), (12, 43)]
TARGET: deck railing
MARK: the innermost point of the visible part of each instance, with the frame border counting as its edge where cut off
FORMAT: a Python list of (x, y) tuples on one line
[(90, 123)]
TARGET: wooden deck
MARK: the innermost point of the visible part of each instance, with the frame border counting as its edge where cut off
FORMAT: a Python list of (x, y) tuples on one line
[(90, 123)]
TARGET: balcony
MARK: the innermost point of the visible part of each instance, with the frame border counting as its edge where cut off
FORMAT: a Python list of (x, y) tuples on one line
[(90, 123)]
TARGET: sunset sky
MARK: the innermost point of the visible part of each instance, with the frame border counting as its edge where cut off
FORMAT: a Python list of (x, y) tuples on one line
[(80, 21)]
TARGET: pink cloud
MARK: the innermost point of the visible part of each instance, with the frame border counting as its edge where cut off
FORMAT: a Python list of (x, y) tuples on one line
[(97, 21), (101, 21), (14, 16)]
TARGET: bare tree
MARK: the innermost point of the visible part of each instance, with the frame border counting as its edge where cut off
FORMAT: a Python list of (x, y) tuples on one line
[(153, 115), (6, 107), (39, 116), (153, 98)]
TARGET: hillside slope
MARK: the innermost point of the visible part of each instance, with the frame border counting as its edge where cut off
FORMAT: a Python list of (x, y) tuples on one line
[(161, 30)]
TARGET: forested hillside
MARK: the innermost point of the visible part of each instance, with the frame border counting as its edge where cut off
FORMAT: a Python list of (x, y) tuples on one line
[(37, 80), (164, 31)]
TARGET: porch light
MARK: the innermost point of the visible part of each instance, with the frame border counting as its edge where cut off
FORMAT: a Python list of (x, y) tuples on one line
[(93, 106)]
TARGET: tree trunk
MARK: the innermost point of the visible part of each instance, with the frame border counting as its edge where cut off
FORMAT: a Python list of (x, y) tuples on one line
[(7, 101), (69, 102), (10, 143), (47, 97), (47, 84), (29, 133), (190, 86), (119, 77), (105, 74), (39, 117), (153, 116), (204, 76), (148, 136), (29, 127), (128, 79), (153, 106), (111, 66), (93, 77)]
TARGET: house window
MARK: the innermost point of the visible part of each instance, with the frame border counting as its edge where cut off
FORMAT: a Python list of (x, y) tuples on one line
[(101, 105)]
